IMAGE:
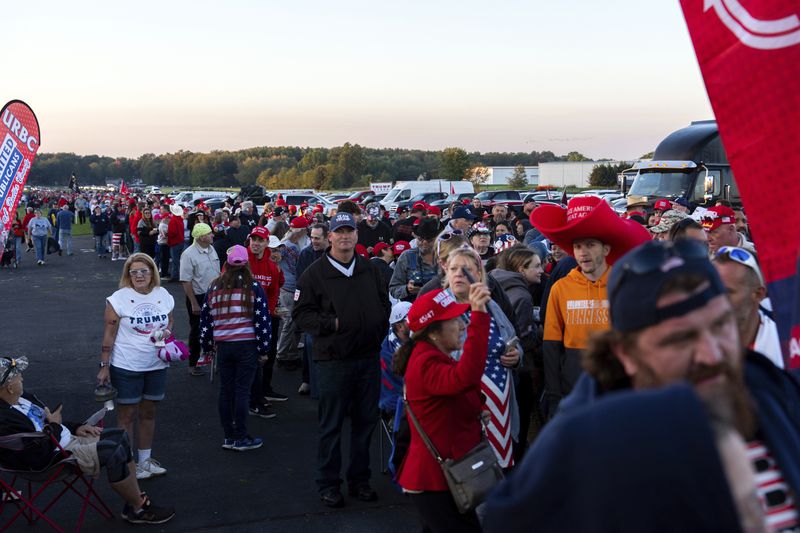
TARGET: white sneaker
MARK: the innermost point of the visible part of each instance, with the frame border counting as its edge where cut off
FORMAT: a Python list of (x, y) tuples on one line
[(148, 468)]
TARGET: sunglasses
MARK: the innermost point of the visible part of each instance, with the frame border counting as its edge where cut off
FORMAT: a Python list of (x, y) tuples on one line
[(743, 257), (12, 364), (640, 264), (139, 271)]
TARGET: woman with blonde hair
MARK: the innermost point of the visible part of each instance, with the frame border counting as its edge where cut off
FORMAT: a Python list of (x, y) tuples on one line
[(136, 315), (504, 353)]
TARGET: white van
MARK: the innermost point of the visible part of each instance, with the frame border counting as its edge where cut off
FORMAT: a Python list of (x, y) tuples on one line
[(188, 198), (406, 190)]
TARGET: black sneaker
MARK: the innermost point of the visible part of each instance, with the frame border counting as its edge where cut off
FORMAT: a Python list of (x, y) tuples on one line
[(262, 411), (332, 497), (148, 514), (363, 492), (273, 396)]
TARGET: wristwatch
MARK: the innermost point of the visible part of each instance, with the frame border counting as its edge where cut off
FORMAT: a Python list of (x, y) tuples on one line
[(104, 363)]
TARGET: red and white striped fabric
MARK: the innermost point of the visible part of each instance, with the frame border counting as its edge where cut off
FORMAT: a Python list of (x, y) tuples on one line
[(231, 321), (777, 500), (496, 386)]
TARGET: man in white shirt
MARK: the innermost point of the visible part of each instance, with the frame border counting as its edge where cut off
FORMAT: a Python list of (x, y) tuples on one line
[(745, 284), (199, 267)]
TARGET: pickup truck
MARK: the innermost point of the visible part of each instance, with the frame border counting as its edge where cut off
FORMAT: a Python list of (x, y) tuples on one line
[(509, 198)]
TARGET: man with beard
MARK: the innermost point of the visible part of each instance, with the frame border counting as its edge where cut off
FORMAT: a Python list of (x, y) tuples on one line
[(672, 322), (372, 230)]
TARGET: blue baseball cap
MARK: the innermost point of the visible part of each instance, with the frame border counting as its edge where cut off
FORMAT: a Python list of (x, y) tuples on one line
[(463, 212), (636, 280), (343, 220)]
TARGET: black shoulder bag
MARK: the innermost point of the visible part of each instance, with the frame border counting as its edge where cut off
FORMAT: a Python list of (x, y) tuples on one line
[(471, 477)]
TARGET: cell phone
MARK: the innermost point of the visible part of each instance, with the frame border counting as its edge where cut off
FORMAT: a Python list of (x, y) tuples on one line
[(467, 274)]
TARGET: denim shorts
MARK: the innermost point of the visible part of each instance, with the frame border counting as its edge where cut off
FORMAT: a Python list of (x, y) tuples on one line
[(132, 387)]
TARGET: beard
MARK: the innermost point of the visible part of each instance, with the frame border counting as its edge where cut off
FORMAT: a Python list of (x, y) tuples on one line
[(727, 401)]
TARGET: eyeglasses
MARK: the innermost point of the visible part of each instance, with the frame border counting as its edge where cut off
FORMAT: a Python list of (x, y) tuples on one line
[(658, 258), (447, 235), (12, 364), (139, 271), (743, 257)]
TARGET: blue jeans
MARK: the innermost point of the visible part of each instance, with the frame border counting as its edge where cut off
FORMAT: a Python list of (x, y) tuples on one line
[(237, 367), (20, 241), (175, 257), (98, 245), (40, 243), (65, 240), (346, 387)]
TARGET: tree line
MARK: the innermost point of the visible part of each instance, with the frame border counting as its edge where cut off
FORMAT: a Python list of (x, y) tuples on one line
[(349, 165)]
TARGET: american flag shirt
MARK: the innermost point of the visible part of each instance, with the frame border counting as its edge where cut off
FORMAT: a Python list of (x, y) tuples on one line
[(222, 321), (496, 388)]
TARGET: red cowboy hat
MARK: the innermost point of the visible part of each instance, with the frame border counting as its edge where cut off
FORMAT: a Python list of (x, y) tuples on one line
[(588, 217)]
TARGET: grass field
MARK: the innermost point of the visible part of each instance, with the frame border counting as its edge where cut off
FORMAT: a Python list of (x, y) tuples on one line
[(77, 229)]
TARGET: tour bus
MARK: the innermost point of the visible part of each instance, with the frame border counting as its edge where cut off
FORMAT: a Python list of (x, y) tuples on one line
[(405, 190), (690, 163)]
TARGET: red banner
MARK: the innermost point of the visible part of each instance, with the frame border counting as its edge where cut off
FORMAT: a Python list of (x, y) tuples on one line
[(749, 53), (19, 132)]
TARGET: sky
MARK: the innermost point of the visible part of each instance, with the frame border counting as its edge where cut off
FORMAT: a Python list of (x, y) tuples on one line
[(608, 79)]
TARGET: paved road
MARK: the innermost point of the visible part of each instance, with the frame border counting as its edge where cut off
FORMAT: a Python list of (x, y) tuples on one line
[(53, 315)]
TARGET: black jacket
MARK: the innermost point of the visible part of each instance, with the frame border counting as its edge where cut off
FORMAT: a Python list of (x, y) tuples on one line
[(359, 302), (39, 452), (369, 237)]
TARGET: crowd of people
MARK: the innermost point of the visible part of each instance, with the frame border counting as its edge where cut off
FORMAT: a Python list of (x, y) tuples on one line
[(537, 332)]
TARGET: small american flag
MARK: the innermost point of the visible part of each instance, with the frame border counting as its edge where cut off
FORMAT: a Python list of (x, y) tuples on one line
[(496, 387)]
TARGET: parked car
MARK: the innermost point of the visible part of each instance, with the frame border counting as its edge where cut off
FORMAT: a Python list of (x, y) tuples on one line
[(357, 197), (509, 198), (426, 197), (459, 197)]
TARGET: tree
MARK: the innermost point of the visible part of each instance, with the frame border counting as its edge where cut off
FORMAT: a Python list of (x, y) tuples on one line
[(477, 176), (519, 180), (606, 175), (648, 155), (455, 164), (577, 156)]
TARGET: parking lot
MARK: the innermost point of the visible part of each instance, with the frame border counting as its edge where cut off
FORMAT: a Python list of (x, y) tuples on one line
[(53, 315)]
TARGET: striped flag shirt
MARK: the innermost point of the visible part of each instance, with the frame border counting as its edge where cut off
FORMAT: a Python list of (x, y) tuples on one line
[(224, 319)]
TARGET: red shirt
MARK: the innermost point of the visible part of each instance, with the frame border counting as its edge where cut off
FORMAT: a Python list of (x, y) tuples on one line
[(134, 219), (28, 217), (268, 275), (175, 231)]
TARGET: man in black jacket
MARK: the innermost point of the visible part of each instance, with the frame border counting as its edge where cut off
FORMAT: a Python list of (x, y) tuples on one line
[(94, 448), (340, 302)]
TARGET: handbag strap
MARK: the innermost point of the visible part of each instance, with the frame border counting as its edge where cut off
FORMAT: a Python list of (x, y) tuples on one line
[(422, 434)]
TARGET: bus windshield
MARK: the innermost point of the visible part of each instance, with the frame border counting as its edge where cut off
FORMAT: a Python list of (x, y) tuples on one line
[(662, 184)]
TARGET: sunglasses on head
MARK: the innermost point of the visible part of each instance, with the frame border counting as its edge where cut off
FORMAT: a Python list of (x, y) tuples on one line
[(12, 364), (743, 257)]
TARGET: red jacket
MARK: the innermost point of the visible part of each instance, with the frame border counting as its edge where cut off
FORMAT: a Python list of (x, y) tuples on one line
[(268, 275), (133, 222), (175, 231), (445, 396)]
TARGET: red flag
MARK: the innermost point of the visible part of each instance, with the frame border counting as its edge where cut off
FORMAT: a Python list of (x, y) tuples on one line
[(123, 189), (452, 189), (19, 131), (748, 53)]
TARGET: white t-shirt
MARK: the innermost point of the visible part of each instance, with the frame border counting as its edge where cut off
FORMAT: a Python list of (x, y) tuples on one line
[(767, 341), (139, 316)]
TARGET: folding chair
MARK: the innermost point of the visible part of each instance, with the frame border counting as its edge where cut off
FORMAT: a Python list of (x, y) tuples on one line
[(63, 469), (385, 424)]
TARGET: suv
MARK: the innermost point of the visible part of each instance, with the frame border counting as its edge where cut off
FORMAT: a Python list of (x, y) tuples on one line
[(509, 198), (426, 197)]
